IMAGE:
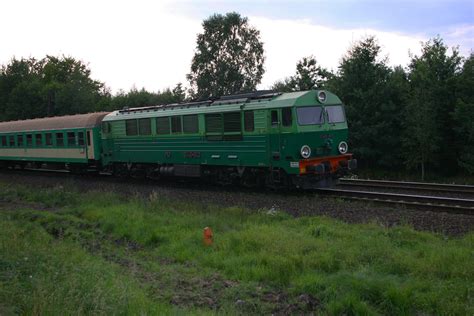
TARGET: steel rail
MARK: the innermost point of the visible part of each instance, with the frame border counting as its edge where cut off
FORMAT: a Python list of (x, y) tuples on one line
[(422, 186), (434, 203)]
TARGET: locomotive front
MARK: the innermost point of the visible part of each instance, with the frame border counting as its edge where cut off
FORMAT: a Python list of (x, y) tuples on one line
[(320, 141)]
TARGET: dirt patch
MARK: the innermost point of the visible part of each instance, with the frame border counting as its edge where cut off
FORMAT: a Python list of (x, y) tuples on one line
[(16, 205)]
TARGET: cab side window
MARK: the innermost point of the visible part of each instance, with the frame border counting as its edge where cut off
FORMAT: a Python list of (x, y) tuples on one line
[(274, 118), (286, 117)]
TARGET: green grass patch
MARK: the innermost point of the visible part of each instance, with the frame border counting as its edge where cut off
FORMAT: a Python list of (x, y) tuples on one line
[(43, 276), (349, 269)]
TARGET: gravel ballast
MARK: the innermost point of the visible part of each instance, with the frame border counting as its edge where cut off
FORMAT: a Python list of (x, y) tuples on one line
[(296, 204)]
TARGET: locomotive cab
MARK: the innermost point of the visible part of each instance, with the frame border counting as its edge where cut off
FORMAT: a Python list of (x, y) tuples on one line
[(317, 146)]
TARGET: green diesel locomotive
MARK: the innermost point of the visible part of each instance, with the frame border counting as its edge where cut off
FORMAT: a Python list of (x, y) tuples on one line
[(296, 139)]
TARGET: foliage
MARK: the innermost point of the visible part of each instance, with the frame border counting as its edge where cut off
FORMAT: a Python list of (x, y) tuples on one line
[(429, 125), (348, 268), (228, 59), (309, 75), (464, 116), (373, 96), (52, 86), (138, 98)]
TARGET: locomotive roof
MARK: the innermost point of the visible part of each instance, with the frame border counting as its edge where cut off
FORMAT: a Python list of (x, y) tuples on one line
[(247, 101), (54, 123)]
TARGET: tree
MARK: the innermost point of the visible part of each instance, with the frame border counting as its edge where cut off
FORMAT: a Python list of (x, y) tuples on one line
[(52, 86), (284, 85), (464, 116), (309, 75), (138, 98), (228, 59), (68, 87), (179, 93), (20, 89), (429, 125), (367, 87)]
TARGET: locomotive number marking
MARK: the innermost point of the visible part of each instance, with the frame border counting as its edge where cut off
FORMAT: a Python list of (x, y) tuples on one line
[(324, 136), (192, 154)]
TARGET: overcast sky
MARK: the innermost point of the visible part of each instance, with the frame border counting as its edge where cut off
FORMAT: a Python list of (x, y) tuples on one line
[(151, 43)]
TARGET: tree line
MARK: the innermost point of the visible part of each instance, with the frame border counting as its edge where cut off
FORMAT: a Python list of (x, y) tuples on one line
[(418, 117)]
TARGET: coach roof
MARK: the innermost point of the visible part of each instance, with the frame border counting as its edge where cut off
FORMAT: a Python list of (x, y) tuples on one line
[(54, 123)]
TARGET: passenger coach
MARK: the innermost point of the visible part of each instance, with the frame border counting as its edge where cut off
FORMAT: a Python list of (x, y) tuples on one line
[(71, 142)]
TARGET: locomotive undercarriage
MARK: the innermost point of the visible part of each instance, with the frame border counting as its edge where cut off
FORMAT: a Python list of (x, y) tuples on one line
[(224, 175)]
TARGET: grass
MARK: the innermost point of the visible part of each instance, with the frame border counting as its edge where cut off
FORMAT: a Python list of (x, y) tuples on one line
[(102, 253)]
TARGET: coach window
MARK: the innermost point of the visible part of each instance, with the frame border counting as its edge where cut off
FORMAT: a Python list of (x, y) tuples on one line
[(49, 139), (163, 125), (71, 139), (190, 124), (80, 138), (60, 139), (4, 141), (20, 141), (286, 116), (144, 126), (274, 118), (39, 140), (131, 128), (176, 124), (29, 140), (249, 124), (12, 140)]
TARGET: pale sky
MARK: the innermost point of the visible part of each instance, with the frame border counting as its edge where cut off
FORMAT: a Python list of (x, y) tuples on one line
[(150, 44)]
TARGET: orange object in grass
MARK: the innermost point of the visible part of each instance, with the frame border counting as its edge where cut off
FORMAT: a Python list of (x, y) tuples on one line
[(207, 236)]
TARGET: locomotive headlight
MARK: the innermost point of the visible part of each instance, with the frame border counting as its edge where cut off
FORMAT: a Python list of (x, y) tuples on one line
[(305, 151), (342, 147), (322, 96)]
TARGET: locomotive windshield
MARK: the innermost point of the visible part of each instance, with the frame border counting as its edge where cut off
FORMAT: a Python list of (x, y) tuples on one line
[(335, 114), (310, 115)]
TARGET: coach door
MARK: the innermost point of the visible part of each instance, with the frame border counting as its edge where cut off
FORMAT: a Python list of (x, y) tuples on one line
[(90, 145)]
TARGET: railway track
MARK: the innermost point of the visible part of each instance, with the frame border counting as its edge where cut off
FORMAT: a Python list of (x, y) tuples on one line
[(412, 186), (410, 201), (432, 203)]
